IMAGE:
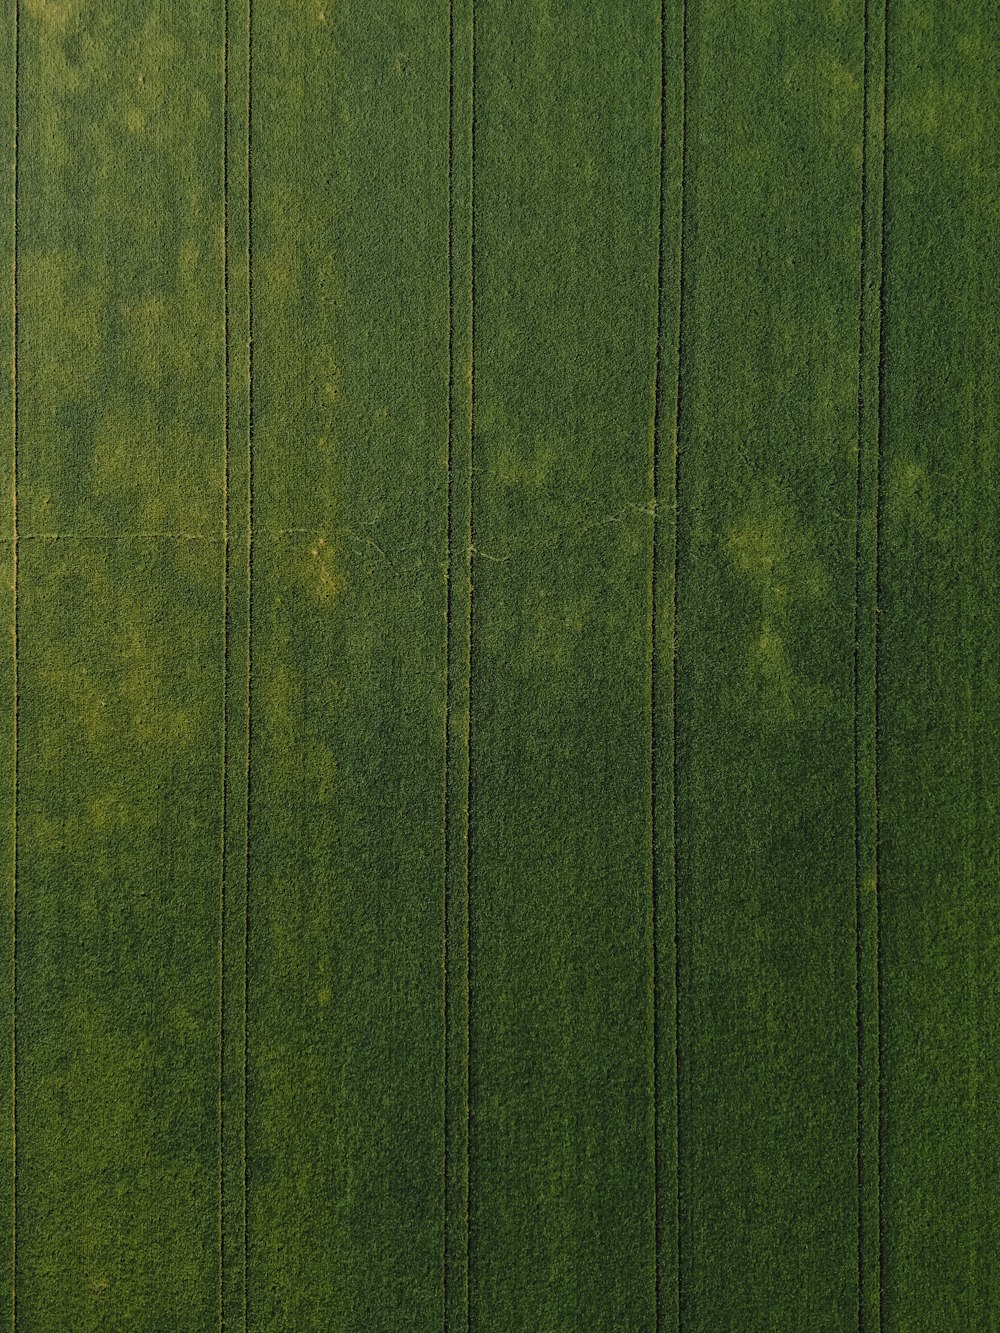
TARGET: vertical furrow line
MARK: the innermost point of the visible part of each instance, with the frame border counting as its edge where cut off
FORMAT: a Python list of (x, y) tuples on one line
[(865, 668), (653, 767), (249, 684), (225, 664), (859, 593), (674, 492), (449, 610), (471, 581), (663, 676), (14, 666), (236, 555), (445, 1248), (879, 501), (457, 1241)]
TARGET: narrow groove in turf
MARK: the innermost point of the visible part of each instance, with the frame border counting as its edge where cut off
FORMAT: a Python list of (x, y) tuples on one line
[(15, 682), (446, 1166), (858, 592), (674, 628), (468, 766), (653, 593), (865, 684), (458, 658), (225, 664), (249, 689), (879, 500)]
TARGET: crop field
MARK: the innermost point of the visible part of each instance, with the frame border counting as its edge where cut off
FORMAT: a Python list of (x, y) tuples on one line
[(499, 514)]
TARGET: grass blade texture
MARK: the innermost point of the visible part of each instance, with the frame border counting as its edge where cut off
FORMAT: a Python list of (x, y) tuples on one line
[(498, 545)]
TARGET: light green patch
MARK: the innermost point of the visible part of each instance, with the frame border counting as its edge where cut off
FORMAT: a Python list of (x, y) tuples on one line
[(776, 557), (771, 660), (528, 471), (909, 494), (835, 82), (55, 13), (69, 350), (323, 574), (124, 431)]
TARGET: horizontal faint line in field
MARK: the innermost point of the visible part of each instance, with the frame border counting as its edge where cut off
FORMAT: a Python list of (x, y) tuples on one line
[(218, 538)]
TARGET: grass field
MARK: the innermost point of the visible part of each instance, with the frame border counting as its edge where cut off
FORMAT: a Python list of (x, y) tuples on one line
[(501, 555)]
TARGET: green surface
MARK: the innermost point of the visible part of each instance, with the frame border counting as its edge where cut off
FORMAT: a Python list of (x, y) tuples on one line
[(939, 698), (765, 703), (345, 1126), (120, 632), (565, 212), (501, 562)]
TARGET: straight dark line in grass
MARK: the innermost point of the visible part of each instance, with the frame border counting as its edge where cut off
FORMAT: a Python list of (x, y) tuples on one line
[(447, 659), (468, 766), (14, 667), (859, 1165), (223, 914), (858, 591), (673, 704), (225, 661), (249, 698), (654, 847), (879, 500)]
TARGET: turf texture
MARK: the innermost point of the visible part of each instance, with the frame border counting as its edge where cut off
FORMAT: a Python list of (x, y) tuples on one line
[(499, 785)]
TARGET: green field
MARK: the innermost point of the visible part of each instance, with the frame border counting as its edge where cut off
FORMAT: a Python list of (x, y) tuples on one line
[(501, 554)]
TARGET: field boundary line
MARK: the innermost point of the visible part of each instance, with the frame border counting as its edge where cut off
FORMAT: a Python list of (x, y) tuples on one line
[(15, 682)]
